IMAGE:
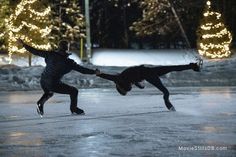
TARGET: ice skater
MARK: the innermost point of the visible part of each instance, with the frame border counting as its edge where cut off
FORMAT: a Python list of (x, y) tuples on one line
[(135, 75), (57, 65)]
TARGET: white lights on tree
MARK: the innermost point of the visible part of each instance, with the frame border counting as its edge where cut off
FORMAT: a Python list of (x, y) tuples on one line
[(31, 23), (213, 37)]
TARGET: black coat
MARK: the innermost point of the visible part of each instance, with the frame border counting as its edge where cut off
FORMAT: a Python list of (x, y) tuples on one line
[(57, 65), (131, 75)]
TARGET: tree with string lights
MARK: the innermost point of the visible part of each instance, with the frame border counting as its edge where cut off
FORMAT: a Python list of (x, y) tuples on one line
[(30, 22), (213, 37), (4, 13), (164, 18), (69, 22), (153, 18)]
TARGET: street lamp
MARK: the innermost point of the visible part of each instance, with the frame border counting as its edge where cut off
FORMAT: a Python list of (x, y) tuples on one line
[(88, 37)]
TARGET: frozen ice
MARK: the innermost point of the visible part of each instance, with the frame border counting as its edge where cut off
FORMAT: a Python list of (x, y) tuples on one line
[(135, 125)]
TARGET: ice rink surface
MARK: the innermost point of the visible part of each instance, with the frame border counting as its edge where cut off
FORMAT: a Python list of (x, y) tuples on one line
[(135, 125)]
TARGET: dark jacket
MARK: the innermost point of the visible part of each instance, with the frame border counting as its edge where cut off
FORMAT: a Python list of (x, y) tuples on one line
[(57, 65), (131, 75)]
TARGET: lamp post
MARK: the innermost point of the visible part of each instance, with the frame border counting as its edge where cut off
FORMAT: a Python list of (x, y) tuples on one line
[(88, 37)]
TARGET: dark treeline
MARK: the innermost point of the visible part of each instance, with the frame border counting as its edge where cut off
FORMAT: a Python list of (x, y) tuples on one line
[(110, 23)]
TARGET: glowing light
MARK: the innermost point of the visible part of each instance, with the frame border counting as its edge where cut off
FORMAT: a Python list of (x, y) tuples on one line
[(1, 35), (214, 38), (208, 3), (209, 26), (210, 13), (33, 29)]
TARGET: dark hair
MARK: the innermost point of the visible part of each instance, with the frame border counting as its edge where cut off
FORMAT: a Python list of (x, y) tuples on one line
[(63, 45), (123, 87)]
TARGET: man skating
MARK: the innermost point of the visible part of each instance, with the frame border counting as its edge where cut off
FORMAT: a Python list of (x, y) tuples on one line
[(134, 75), (57, 65)]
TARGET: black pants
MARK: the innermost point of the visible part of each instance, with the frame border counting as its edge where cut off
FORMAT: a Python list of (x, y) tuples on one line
[(152, 74), (58, 87)]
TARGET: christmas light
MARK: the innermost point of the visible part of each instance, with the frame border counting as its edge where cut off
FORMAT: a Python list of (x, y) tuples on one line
[(75, 28), (209, 26), (34, 29), (218, 35), (157, 18), (44, 13), (213, 37), (1, 35)]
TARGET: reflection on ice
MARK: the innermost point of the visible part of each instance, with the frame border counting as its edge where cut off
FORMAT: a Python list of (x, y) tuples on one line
[(211, 129), (22, 139), (17, 134), (135, 125), (228, 114), (189, 111), (226, 92)]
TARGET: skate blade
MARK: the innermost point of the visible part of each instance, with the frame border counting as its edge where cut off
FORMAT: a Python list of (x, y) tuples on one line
[(200, 63), (75, 114), (172, 109), (40, 114)]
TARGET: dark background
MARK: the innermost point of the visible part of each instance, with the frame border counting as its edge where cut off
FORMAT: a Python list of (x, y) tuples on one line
[(110, 24)]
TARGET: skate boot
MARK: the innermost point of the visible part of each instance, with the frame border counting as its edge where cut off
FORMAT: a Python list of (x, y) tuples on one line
[(76, 110), (40, 109), (195, 67), (172, 108)]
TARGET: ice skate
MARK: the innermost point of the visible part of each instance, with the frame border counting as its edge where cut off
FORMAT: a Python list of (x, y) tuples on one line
[(172, 108), (76, 110), (40, 109), (195, 67)]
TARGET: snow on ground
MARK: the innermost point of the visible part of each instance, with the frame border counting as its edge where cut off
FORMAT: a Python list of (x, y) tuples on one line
[(214, 72), (106, 57), (117, 126)]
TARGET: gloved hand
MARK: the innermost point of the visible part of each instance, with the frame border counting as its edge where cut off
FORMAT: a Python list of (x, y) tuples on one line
[(20, 42), (97, 72)]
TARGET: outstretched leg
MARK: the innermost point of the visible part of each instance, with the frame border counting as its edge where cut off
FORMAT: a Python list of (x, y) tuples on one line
[(162, 70), (157, 83), (73, 92)]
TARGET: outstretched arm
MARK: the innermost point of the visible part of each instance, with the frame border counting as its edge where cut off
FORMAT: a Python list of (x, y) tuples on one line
[(32, 50), (108, 77), (82, 69)]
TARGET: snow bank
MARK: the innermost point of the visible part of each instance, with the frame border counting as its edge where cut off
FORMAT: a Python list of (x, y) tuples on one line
[(36, 61), (214, 73), (106, 57)]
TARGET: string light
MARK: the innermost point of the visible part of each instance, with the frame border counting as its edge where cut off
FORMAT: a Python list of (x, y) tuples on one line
[(44, 13), (209, 26), (73, 30), (29, 29), (210, 43), (208, 13), (218, 35), (1, 35)]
